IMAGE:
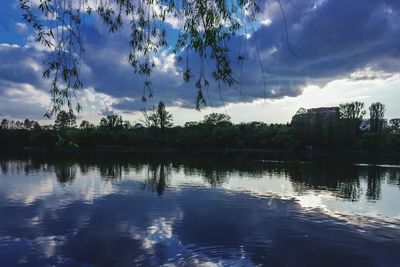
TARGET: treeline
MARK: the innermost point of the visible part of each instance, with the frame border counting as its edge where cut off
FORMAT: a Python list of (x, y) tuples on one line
[(215, 131)]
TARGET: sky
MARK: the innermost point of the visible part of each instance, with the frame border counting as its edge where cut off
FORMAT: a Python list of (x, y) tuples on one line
[(343, 51)]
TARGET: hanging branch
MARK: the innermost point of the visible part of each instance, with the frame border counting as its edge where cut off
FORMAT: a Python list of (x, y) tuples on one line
[(59, 25), (286, 28)]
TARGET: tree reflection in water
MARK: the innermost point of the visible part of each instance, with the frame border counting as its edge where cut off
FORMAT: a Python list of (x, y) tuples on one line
[(111, 171), (394, 177), (65, 172), (341, 179), (108, 212), (375, 179), (157, 176)]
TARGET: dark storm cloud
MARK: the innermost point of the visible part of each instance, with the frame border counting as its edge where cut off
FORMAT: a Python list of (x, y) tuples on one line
[(21, 65), (330, 40), (22, 89), (333, 40), (108, 71)]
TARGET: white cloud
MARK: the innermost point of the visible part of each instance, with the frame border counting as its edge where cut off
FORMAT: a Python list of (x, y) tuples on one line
[(166, 63), (21, 27), (26, 93), (266, 22)]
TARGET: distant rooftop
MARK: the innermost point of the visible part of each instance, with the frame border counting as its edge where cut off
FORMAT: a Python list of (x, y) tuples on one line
[(322, 110)]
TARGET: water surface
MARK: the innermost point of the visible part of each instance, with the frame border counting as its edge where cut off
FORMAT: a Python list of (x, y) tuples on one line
[(136, 210)]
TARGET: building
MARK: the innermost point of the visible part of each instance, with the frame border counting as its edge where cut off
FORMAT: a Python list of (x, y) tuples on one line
[(365, 125), (314, 115), (326, 111), (316, 126)]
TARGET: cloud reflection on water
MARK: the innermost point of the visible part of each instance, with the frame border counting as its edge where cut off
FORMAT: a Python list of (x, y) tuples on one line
[(173, 212)]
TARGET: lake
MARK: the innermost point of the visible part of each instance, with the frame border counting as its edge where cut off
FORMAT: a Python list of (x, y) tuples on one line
[(132, 209)]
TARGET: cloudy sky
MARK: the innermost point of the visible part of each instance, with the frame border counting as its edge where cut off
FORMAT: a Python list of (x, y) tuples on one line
[(343, 51)]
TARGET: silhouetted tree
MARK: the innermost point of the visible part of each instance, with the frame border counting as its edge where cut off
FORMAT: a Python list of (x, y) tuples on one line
[(164, 117), (191, 124), (150, 118), (353, 110), (138, 125), (29, 124), (111, 122), (217, 119), (377, 114), (157, 117), (394, 125), (64, 120), (351, 115), (4, 124), (86, 125), (126, 125)]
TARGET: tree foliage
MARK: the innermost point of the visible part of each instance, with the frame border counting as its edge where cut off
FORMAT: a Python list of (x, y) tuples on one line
[(158, 117), (64, 120), (351, 115), (86, 125), (217, 119), (26, 124), (353, 110), (206, 26), (394, 125), (164, 117), (215, 131), (377, 114), (111, 122)]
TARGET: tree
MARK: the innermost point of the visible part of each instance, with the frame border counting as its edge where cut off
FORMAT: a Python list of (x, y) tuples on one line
[(351, 115), (19, 125), (86, 125), (64, 120), (111, 122), (164, 117), (150, 118), (353, 110), (29, 124), (394, 125), (217, 119), (36, 125), (377, 114), (137, 125), (159, 118), (207, 27), (4, 124), (126, 125), (191, 124), (11, 125)]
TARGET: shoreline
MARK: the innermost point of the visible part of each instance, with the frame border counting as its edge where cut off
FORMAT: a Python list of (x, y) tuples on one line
[(205, 151)]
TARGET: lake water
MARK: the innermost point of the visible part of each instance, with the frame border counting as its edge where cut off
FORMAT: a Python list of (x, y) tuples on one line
[(148, 210)]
